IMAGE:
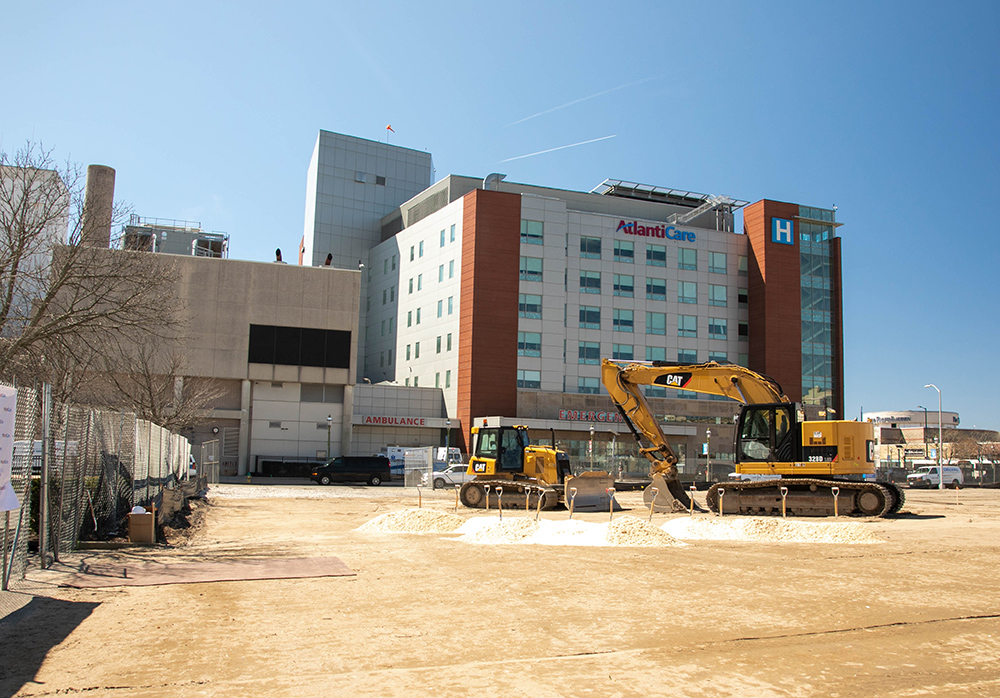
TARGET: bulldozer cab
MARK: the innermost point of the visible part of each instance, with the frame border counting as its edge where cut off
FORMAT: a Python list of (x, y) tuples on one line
[(503, 446), (767, 433)]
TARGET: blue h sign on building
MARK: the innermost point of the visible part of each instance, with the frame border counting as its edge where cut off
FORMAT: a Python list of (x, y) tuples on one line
[(781, 231)]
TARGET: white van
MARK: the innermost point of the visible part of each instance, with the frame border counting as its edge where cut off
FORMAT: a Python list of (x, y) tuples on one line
[(927, 476)]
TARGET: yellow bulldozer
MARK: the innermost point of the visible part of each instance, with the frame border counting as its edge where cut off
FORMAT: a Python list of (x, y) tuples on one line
[(512, 472)]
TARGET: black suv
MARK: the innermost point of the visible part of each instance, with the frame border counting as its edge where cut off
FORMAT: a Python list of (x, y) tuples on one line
[(371, 469)]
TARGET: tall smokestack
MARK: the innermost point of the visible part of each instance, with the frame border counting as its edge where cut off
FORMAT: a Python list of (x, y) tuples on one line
[(98, 206)]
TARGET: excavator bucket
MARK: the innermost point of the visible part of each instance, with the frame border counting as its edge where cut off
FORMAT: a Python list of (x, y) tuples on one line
[(591, 491), (669, 495)]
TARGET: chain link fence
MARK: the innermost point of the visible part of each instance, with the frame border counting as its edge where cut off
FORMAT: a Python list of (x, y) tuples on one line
[(77, 473)]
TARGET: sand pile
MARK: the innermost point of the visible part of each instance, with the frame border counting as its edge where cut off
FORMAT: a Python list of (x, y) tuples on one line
[(414, 521), (633, 531), (497, 531), (769, 530), (623, 531)]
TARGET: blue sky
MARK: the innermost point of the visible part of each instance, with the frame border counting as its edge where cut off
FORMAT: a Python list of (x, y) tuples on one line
[(888, 110)]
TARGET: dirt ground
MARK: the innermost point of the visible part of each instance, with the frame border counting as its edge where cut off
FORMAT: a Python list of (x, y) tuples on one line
[(427, 614)]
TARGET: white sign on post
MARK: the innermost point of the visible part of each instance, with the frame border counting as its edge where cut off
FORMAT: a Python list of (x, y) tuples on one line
[(8, 412)]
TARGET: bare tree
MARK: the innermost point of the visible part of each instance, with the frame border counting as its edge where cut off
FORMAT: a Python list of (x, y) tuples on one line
[(155, 386), (65, 307)]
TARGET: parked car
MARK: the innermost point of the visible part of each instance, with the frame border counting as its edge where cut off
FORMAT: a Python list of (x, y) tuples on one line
[(371, 469), (452, 475), (927, 476)]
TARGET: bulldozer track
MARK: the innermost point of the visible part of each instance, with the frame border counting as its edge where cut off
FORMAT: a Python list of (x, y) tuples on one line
[(473, 494)]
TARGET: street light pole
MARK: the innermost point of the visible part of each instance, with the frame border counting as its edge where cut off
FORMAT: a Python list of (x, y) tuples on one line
[(925, 430), (447, 441), (940, 442), (329, 425), (591, 446), (708, 454)]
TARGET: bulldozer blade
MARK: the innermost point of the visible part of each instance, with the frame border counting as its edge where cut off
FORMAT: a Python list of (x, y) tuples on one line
[(670, 496), (591, 491)]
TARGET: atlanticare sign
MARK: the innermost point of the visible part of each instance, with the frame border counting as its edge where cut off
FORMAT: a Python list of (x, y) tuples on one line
[(654, 231)]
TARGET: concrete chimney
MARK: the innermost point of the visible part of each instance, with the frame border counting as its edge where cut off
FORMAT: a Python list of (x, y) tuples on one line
[(98, 206)]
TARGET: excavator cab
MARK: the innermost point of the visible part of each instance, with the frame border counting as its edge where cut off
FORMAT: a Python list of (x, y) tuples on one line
[(768, 433)]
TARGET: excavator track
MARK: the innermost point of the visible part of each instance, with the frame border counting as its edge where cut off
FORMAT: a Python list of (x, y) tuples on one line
[(807, 497), (474, 493)]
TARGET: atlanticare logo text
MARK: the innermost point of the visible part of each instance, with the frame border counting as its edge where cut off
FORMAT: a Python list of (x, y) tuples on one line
[(655, 231)]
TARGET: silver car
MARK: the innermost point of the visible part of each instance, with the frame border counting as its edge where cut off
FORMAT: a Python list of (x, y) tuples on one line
[(452, 475)]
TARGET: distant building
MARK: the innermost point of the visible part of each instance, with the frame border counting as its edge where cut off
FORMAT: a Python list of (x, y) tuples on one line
[(174, 237)]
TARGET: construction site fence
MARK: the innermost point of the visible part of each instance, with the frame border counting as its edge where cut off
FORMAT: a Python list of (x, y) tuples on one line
[(78, 472)]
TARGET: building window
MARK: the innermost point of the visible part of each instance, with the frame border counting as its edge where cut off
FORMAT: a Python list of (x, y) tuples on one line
[(625, 251), (420, 282), (390, 325), (529, 343), (624, 285), (687, 292), (742, 265), (447, 374), (438, 345), (717, 295), (656, 323), (717, 328), (743, 329), (416, 350), (442, 238), (742, 297), (687, 259), (392, 293), (450, 303), (381, 359), (448, 342), (379, 180), (389, 353), (717, 262), (382, 334), (529, 379), (452, 232), (687, 326), (718, 357), (590, 248), (409, 318), (420, 252), (623, 320), (622, 352), (656, 289), (589, 353), (411, 285), (590, 282), (531, 268), (394, 262), (418, 316), (588, 386), (407, 352), (411, 252), (440, 273), (656, 354), (656, 256), (451, 269), (529, 306), (687, 356), (440, 308), (416, 381), (437, 376), (590, 317), (385, 266), (531, 232), (385, 295)]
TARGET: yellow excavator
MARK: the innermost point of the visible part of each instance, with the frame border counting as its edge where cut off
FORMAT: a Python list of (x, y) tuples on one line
[(805, 468), (513, 473)]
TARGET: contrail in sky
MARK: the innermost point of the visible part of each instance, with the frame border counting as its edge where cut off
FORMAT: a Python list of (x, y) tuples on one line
[(582, 99), (562, 147)]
